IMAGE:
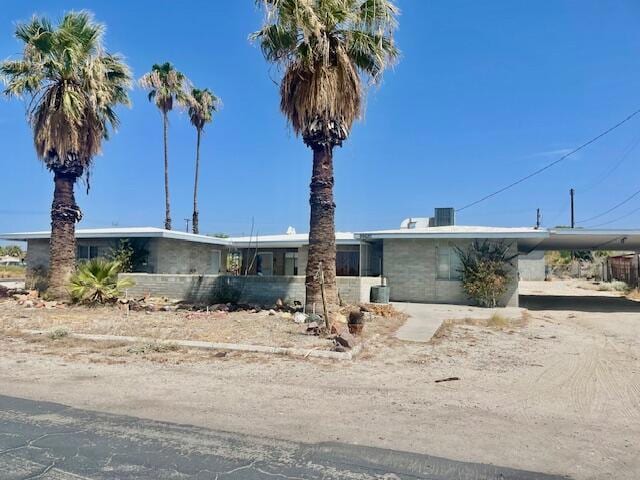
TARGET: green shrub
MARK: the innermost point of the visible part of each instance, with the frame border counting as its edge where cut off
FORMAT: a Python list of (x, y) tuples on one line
[(96, 281), (614, 286), (485, 271), (131, 254), (226, 293)]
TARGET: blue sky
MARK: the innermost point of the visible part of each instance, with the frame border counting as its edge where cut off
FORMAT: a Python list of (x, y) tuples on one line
[(485, 92)]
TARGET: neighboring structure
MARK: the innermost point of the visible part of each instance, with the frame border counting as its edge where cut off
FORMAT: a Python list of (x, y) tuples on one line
[(624, 268), (9, 261), (419, 262)]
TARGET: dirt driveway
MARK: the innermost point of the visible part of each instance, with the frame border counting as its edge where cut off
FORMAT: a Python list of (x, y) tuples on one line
[(560, 394)]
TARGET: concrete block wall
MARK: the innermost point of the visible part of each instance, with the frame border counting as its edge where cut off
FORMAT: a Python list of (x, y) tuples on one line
[(179, 256), (253, 289), (410, 266), (532, 266)]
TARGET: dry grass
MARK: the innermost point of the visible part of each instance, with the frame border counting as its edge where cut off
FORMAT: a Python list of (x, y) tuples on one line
[(495, 322), (12, 272)]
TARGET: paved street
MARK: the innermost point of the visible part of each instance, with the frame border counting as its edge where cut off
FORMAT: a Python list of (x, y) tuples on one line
[(50, 441)]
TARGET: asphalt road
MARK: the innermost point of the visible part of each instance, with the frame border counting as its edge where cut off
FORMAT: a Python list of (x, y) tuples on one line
[(42, 440)]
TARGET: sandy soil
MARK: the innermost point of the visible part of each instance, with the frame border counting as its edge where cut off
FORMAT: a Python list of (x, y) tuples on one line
[(559, 393), (257, 328)]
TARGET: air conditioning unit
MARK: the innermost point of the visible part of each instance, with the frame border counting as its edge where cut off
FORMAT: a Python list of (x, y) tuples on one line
[(445, 217)]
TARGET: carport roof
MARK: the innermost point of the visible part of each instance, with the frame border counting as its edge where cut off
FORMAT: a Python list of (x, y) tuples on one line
[(583, 239)]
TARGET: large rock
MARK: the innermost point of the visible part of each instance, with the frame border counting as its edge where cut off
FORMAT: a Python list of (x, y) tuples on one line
[(346, 340)]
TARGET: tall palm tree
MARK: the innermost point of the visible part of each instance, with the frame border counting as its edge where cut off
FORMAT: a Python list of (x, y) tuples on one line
[(202, 104), (74, 86), (327, 49), (165, 85)]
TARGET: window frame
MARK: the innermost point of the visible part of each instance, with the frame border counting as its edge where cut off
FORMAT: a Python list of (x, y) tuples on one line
[(453, 263)]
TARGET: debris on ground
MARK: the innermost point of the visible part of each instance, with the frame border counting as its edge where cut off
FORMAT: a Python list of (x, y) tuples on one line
[(448, 379), (299, 317)]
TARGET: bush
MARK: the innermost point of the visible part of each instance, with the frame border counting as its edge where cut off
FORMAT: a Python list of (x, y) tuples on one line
[(485, 271), (132, 255), (226, 293), (96, 281), (614, 286)]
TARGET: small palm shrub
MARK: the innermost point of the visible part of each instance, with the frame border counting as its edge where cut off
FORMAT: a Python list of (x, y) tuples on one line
[(96, 282), (485, 271)]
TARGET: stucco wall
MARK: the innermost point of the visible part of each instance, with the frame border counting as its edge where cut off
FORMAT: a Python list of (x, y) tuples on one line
[(410, 269), (254, 289), (532, 266)]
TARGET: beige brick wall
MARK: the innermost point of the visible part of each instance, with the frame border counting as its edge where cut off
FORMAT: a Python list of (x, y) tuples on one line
[(182, 257), (410, 269)]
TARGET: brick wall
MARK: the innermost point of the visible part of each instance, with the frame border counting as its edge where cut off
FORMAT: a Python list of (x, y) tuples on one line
[(254, 289), (410, 269)]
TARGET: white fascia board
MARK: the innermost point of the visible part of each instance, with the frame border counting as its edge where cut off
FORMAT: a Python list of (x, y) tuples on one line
[(451, 235)]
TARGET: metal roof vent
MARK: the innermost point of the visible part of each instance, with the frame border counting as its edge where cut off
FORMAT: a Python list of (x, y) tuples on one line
[(417, 222), (445, 217), (291, 231)]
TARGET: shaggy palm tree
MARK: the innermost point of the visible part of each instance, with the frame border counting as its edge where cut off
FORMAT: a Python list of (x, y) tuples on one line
[(327, 49), (73, 85), (202, 104), (165, 85)]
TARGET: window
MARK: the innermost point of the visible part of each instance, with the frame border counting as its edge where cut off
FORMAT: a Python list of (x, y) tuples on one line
[(347, 264), (291, 263), (264, 264), (87, 252), (447, 264)]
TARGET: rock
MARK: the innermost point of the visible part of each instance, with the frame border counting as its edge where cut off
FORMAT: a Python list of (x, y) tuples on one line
[(286, 315), (299, 317), (313, 329), (340, 318), (279, 303), (314, 317), (28, 304), (346, 340), (338, 328), (272, 312), (339, 348)]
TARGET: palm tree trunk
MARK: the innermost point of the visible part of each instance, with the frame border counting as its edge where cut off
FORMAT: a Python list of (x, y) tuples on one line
[(62, 247), (167, 213), (322, 236), (196, 226)]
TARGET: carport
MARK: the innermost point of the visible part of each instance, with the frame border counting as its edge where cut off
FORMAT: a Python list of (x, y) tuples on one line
[(580, 239)]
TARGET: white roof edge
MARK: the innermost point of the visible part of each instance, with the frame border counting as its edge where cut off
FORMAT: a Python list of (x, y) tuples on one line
[(133, 232), (593, 231)]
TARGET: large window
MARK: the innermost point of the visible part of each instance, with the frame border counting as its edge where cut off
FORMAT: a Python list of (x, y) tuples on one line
[(447, 264)]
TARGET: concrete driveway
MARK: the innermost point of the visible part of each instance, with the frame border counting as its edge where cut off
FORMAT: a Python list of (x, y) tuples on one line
[(425, 318)]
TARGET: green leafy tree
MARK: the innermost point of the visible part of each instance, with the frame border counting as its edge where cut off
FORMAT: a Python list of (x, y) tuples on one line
[(74, 85), (202, 105), (166, 85), (96, 281), (327, 50)]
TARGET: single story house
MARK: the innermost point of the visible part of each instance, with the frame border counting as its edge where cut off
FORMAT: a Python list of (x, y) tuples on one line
[(418, 261)]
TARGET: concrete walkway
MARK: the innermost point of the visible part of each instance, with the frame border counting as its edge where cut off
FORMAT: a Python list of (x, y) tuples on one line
[(425, 318)]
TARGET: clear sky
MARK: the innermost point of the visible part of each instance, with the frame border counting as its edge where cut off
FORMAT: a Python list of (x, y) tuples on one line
[(485, 92)]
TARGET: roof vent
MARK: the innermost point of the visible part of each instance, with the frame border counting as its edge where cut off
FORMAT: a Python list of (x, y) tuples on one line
[(445, 217), (417, 222), (291, 231)]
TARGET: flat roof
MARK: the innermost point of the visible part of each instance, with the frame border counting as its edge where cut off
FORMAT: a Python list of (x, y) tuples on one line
[(583, 239), (122, 232), (288, 240), (456, 231)]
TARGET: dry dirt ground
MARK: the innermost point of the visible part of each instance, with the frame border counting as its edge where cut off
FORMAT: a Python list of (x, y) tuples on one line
[(557, 392)]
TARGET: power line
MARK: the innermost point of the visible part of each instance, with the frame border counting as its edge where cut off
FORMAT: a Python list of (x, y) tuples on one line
[(626, 200), (628, 214), (546, 167), (634, 143)]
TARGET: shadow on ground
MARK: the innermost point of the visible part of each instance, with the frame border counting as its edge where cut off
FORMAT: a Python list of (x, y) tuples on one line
[(577, 303)]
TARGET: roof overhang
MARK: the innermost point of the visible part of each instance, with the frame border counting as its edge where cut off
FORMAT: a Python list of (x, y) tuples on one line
[(583, 239), (133, 232)]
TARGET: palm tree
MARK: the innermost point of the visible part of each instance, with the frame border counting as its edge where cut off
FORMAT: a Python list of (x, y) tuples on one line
[(165, 85), (327, 49), (74, 86), (202, 104)]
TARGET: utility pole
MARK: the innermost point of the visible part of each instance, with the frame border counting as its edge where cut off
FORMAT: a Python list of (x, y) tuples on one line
[(187, 220), (538, 218), (573, 218)]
